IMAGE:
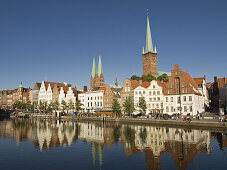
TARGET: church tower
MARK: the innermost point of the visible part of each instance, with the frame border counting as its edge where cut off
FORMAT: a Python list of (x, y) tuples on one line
[(150, 54), (97, 78)]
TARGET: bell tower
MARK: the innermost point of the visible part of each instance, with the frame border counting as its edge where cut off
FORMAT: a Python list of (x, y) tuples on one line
[(150, 54)]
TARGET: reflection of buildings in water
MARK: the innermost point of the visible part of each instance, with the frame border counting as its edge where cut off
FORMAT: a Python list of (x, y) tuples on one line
[(182, 144)]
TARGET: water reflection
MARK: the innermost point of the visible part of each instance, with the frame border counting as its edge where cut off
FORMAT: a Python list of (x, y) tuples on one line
[(183, 144)]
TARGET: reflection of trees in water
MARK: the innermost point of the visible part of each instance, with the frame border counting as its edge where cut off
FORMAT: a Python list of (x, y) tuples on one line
[(143, 135), (130, 135), (78, 129), (116, 134)]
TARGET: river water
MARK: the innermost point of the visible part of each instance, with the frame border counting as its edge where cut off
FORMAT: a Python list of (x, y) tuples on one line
[(48, 144)]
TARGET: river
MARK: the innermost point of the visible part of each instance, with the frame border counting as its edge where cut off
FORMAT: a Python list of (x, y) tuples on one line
[(48, 144)]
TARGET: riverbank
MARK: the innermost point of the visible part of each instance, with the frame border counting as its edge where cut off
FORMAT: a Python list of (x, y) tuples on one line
[(212, 124)]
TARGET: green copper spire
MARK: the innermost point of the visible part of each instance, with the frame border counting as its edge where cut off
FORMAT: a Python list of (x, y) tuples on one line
[(21, 85), (93, 69), (100, 67), (149, 45)]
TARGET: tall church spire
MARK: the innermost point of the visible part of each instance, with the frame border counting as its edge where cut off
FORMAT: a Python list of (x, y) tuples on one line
[(100, 67), (149, 44), (93, 69)]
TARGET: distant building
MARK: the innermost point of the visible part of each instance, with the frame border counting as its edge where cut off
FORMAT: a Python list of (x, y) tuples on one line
[(21, 94), (97, 78), (6, 99), (34, 93)]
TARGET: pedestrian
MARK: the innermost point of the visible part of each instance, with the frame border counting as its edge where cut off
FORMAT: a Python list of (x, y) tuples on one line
[(197, 115)]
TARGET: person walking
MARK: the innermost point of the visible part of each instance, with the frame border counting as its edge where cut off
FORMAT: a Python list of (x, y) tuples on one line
[(197, 115)]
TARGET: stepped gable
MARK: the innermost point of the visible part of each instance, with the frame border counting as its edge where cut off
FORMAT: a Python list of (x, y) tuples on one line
[(59, 85)]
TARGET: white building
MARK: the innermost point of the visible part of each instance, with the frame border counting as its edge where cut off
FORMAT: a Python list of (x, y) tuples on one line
[(91, 100), (67, 96), (153, 95)]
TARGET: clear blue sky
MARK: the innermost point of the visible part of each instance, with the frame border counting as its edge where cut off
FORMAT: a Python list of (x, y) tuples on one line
[(58, 39)]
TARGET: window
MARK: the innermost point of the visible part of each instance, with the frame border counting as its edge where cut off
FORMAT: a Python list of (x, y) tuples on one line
[(168, 91), (91, 98), (150, 99), (171, 99), (149, 105), (185, 109), (95, 98), (161, 105), (172, 110), (125, 89), (158, 92), (152, 105), (166, 99), (182, 84), (88, 98), (167, 109), (171, 86), (91, 104), (158, 99), (157, 105), (143, 92), (186, 90), (139, 92), (184, 98), (190, 98), (136, 93), (176, 73), (183, 91), (190, 108), (154, 99), (128, 88), (87, 104), (150, 93), (178, 99), (154, 86)]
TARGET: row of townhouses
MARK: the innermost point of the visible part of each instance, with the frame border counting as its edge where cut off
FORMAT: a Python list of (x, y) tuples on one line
[(180, 94)]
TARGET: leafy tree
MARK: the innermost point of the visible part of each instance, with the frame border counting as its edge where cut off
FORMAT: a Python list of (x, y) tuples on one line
[(134, 77), (43, 106), (142, 105), (63, 105), (50, 107), (56, 105), (71, 105), (148, 77), (116, 107), (78, 106), (128, 105), (164, 77)]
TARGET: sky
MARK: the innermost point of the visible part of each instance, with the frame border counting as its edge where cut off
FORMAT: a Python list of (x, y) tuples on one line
[(56, 40)]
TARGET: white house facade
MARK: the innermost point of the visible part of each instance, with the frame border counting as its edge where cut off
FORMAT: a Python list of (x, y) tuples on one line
[(91, 100)]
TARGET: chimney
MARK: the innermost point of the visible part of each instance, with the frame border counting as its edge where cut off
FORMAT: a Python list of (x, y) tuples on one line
[(215, 78), (85, 88)]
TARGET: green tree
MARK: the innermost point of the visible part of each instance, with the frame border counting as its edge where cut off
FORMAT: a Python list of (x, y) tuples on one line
[(116, 107), (134, 77), (56, 105), (78, 106), (164, 77), (63, 105), (148, 77), (116, 134), (71, 105), (142, 105), (50, 107), (128, 105)]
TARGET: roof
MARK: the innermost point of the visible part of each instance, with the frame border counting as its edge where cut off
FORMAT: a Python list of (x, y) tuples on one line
[(199, 81), (145, 84), (210, 84), (134, 83), (222, 82), (59, 85)]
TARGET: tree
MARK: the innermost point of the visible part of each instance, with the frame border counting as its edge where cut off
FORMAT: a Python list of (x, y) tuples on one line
[(71, 105), (128, 105), (63, 105), (56, 105), (78, 106), (116, 107), (148, 77), (164, 77), (129, 134), (134, 77), (142, 105), (116, 134), (50, 107)]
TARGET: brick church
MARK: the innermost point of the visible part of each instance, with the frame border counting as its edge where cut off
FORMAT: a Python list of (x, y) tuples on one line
[(97, 78), (150, 56)]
